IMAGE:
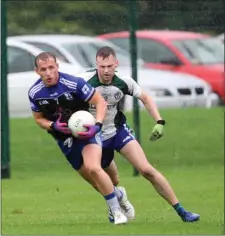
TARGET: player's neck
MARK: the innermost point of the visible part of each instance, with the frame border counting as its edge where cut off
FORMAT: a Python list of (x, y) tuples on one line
[(102, 81)]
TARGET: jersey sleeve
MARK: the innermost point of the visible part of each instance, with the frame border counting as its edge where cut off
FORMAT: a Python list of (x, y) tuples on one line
[(33, 106), (85, 91), (134, 89)]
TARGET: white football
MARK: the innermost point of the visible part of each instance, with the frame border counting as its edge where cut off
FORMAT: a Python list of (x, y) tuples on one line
[(78, 119)]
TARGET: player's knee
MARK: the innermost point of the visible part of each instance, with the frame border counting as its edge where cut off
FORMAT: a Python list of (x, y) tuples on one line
[(148, 172), (93, 170)]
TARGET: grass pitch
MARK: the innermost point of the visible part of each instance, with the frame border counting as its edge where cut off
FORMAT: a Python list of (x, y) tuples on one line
[(45, 195)]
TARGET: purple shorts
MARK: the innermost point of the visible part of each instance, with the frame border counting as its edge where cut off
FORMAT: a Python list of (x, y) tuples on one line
[(123, 136), (72, 149)]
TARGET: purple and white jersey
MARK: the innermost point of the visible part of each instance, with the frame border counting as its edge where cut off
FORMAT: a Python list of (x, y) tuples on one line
[(69, 95)]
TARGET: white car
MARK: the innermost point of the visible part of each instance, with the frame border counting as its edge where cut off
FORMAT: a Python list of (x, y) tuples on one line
[(167, 88), (220, 37), (74, 49), (21, 75), (170, 90)]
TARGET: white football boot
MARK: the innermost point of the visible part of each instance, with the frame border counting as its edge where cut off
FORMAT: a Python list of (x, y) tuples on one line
[(126, 206), (119, 217)]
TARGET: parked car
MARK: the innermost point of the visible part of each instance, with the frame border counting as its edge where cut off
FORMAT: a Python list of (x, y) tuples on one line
[(83, 49), (74, 49), (188, 52), (21, 75), (172, 90)]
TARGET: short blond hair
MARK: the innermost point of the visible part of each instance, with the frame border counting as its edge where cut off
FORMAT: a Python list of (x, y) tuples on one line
[(44, 56)]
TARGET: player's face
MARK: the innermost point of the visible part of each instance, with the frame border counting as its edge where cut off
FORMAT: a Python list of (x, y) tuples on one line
[(48, 71), (106, 68)]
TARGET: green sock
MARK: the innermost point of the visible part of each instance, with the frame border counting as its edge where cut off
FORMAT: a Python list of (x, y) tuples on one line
[(177, 207)]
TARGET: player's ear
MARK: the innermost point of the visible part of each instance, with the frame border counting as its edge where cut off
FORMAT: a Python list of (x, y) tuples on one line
[(117, 63), (36, 70), (57, 64)]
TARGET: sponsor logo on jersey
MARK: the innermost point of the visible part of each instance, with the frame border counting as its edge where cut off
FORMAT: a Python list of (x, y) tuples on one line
[(85, 89), (68, 96), (118, 95), (54, 94), (43, 102), (106, 96)]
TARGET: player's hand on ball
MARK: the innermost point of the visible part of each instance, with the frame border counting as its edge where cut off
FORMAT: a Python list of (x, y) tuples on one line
[(92, 130), (157, 132), (60, 126)]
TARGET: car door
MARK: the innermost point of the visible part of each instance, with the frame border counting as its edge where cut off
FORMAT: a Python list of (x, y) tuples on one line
[(153, 53), (156, 54), (20, 77)]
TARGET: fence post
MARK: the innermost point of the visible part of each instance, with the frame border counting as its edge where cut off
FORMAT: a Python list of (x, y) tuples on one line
[(133, 51), (5, 160)]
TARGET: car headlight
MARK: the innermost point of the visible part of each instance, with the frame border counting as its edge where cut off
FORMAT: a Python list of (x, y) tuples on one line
[(159, 92)]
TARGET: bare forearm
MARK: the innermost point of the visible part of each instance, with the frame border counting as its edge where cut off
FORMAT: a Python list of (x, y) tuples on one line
[(151, 108), (44, 123), (100, 105), (100, 111)]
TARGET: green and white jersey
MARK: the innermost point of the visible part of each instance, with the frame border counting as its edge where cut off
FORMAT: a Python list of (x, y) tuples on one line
[(112, 93)]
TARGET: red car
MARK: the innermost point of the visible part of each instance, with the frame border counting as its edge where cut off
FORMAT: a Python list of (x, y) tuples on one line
[(188, 52)]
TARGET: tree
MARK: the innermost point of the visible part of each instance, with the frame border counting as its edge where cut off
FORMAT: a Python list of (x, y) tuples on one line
[(96, 17)]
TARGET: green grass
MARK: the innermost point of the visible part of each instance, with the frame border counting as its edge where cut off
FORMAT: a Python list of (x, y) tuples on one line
[(45, 196)]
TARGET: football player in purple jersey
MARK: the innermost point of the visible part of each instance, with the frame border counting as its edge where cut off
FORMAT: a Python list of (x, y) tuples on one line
[(53, 98)]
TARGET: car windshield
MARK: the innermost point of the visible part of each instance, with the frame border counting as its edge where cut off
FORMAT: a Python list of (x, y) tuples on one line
[(202, 51), (48, 48), (85, 52)]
